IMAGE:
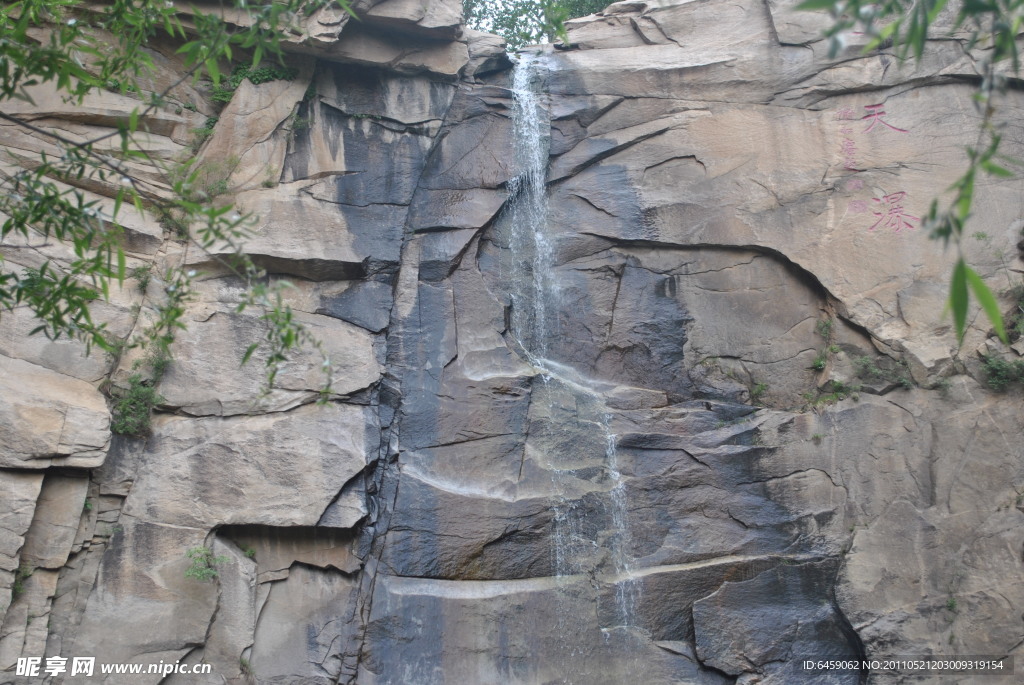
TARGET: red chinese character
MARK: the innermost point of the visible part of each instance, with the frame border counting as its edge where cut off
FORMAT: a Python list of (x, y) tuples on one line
[(845, 113), (858, 206), (875, 113), (894, 215), (854, 184)]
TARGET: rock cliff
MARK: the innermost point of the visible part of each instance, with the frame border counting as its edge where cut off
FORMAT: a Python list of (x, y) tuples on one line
[(642, 373)]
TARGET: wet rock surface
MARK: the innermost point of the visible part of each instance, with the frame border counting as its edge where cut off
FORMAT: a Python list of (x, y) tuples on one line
[(639, 374)]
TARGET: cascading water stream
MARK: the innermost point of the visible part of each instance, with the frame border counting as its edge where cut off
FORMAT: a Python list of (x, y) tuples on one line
[(535, 306), (528, 212)]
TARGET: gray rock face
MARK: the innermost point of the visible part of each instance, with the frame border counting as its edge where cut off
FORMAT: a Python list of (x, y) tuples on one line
[(639, 374)]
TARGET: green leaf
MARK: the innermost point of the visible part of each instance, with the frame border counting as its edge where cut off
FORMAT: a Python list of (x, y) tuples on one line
[(988, 303), (816, 5), (958, 298), (996, 170), (248, 353), (214, 70)]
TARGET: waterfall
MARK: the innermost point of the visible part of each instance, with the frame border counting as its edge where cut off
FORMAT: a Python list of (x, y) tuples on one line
[(528, 210), (570, 403), (628, 589)]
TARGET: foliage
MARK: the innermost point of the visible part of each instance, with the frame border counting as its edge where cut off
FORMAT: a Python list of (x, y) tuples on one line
[(992, 28), (869, 369), (203, 133), (832, 392), (1000, 373), (824, 328), (1015, 319), (142, 275), (257, 75), (76, 49), (132, 409), (20, 576), (525, 22), (204, 563)]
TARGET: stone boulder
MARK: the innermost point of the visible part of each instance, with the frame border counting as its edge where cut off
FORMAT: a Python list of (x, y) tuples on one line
[(58, 420)]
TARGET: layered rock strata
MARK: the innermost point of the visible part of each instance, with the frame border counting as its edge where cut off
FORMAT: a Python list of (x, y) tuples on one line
[(703, 419)]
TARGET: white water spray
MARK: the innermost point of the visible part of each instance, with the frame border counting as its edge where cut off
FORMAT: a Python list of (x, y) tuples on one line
[(535, 300)]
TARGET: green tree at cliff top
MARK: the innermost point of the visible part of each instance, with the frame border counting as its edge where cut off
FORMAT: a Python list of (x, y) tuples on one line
[(524, 22)]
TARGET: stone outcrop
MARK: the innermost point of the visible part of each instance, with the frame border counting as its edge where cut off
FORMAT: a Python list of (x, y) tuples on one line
[(703, 418)]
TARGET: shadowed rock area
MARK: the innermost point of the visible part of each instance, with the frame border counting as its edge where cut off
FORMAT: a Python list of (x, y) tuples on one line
[(641, 369)]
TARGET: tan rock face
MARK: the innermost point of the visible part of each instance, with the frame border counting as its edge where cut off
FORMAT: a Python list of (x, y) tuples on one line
[(208, 472), (689, 412), (58, 420), (20, 491), (196, 384), (251, 135)]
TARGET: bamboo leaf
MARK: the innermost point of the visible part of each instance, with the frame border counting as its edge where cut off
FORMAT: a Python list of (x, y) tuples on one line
[(958, 298), (988, 302), (816, 5), (248, 353)]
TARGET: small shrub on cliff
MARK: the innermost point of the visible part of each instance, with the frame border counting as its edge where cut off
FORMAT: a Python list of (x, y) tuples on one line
[(257, 75), (134, 407), (1001, 373), (1015, 319), (20, 576), (203, 567), (870, 370)]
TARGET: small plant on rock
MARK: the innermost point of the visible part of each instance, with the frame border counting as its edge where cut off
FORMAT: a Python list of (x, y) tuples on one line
[(142, 276), (824, 328), (20, 576), (1015, 319), (204, 563), (134, 407), (869, 370), (203, 133), (257, 75), (1001, 373)]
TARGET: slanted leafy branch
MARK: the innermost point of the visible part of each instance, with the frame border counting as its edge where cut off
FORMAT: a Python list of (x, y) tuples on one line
[(77, 48)]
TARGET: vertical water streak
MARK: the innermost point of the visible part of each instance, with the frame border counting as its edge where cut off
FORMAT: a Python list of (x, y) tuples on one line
[(566, 403), (531, 292), (628, 589)]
